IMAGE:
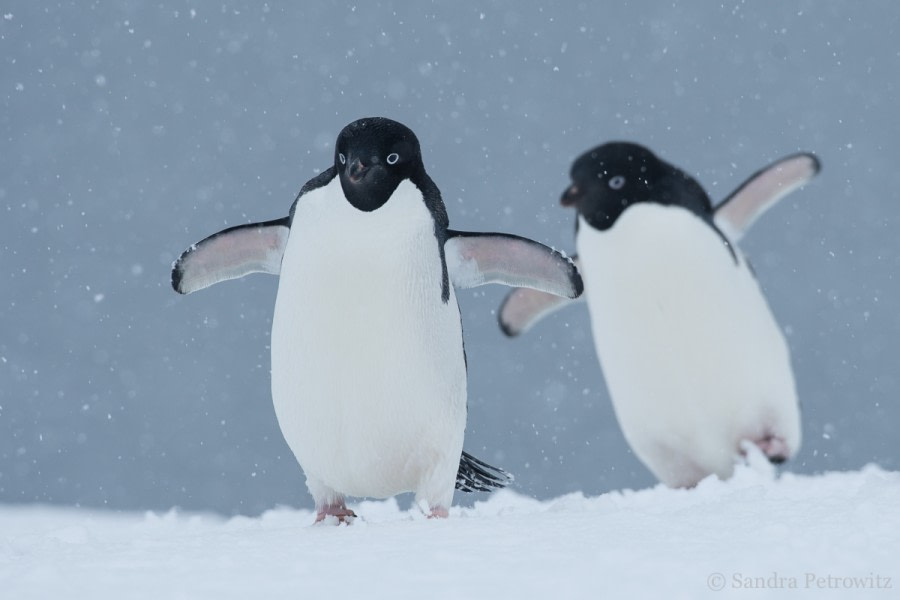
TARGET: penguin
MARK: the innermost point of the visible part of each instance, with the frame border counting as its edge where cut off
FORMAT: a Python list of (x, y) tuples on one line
[(368, 365), (694, 361)]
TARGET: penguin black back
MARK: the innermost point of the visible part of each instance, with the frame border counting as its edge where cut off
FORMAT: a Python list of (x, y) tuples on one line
[(609, 178)]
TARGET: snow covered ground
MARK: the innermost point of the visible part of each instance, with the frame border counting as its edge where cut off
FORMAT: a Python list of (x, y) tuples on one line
[(831, 536)]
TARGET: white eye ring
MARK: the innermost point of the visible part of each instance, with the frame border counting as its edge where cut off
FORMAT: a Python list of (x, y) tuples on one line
[(617, 182), (392, 158), (342, 158)]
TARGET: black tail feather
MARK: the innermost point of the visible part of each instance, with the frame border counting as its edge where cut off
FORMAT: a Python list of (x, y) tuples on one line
[(477, 476)]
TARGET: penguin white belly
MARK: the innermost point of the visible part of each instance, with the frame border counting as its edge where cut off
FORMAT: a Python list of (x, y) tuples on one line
[(692, 356), (368, 372)]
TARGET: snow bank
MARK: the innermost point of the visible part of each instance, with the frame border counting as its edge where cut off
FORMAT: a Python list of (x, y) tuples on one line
[(830, 536)]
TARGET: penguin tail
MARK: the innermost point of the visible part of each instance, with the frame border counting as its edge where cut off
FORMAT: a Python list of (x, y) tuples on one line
[(477, 476)]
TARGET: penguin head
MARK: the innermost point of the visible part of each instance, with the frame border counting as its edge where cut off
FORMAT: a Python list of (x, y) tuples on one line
[(372, 156), (609, 178)]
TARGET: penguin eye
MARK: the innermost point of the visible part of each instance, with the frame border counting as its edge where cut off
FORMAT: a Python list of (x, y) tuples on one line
[(392, 158), (342, 158), (617, 182)]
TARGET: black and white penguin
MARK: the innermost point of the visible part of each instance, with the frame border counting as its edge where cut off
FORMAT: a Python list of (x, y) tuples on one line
[(368, 365), (694, 361)]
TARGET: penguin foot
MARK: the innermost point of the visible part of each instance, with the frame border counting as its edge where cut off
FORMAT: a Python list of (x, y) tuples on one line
[(754, 456), (775, 449), (339, 510), (438, 512)]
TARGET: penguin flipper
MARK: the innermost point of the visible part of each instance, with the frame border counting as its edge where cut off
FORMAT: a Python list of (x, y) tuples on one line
[(761, 191), (231, 253), (477, 476), (475, 259), (523, 308)]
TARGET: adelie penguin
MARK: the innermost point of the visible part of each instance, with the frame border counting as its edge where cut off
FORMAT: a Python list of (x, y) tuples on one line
[(368, 365), (694, 361)]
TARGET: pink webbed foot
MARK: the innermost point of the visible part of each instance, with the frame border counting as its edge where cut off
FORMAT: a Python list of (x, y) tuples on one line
[(337, 509), (774, 448), (438, 512)]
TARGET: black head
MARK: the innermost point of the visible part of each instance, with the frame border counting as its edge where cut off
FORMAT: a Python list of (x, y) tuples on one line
[(612, 177), (372, 156)]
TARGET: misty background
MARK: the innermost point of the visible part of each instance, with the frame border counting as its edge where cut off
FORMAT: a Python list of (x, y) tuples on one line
[(130, 130)]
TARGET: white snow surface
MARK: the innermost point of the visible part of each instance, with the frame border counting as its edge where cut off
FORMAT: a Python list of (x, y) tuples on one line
[(835, 535)]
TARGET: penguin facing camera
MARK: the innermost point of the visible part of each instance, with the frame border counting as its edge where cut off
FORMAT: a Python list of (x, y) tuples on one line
[(368, 365)]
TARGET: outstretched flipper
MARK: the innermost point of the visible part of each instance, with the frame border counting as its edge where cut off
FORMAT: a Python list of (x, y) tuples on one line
[(475, 259), (523, 308), (231, 253), (478, 476), (761, 191)]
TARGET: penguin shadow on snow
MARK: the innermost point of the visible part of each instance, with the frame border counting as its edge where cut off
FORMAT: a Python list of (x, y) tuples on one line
[(696, 366), (368, 364)]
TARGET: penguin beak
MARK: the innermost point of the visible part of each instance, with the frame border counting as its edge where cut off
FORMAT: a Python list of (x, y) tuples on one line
[(570, 196), (356, 171)]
